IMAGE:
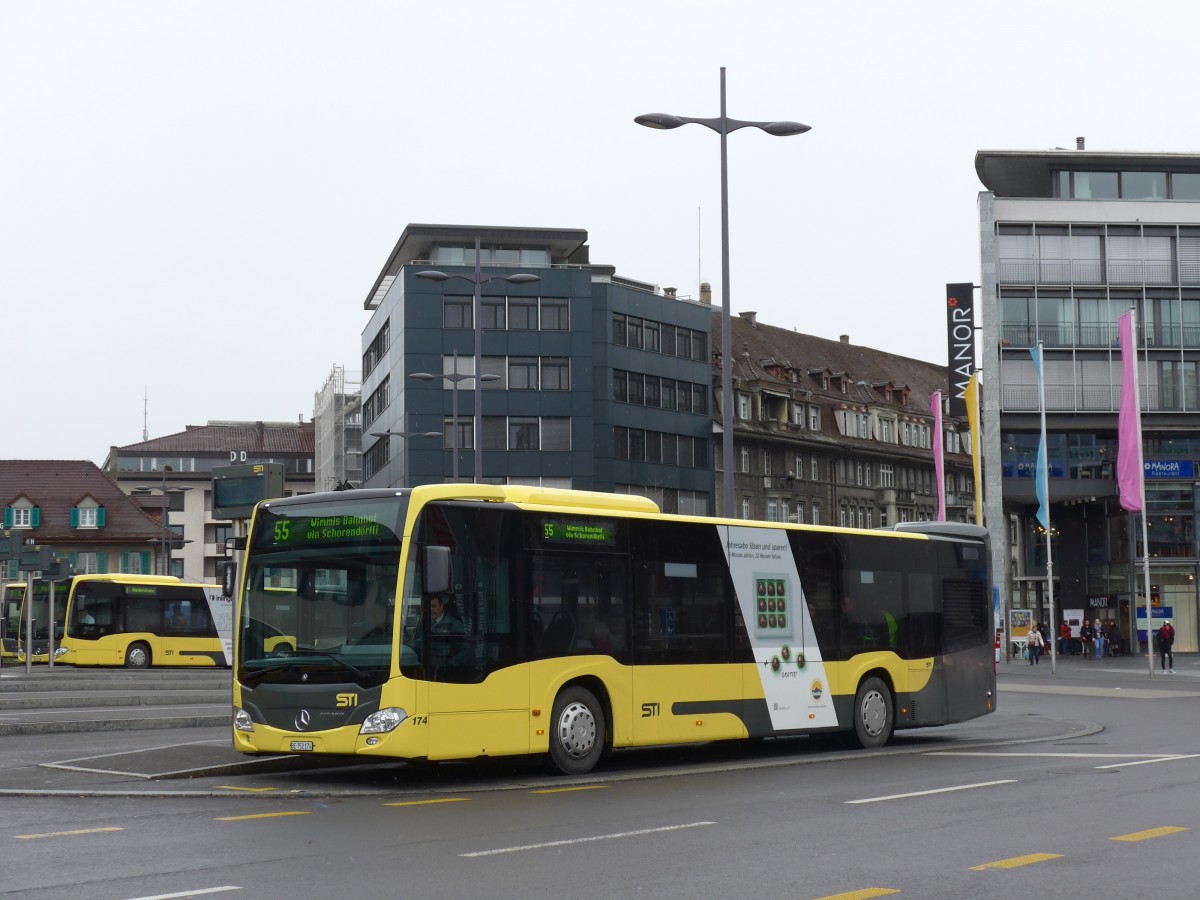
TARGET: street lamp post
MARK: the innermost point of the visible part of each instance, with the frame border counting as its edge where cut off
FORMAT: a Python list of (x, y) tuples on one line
[(164, 492), (478, 280), (456, 378), (723, 125), (406, 480)]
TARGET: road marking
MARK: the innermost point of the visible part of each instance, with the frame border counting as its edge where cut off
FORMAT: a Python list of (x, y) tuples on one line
[(567, 790), (427, 802), (1017, 861), (197, 892), (31, 837), (234, 787), (864, 894), (585, 840), (945, 790), (1149, 833), (1042, 755), (1146, 762), (274, 815)]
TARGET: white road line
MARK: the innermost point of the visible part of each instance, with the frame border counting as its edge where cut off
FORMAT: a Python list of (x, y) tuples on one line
[(945, 790), (195, 893), (1146, 762), (1043, 755), (585, 840)]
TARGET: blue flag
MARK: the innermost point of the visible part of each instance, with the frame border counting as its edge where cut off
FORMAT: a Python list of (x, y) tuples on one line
[(1040, 486)]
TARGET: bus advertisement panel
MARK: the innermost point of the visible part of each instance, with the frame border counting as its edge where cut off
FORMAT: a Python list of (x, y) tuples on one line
[(458, 621), (138, 621)]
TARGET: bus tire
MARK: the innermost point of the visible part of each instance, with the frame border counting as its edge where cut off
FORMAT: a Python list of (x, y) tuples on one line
[(873, 720), (137, 656), (577, 732)]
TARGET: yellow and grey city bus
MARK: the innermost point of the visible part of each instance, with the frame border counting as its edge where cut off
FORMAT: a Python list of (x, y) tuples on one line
[(10, 611), (138, 621), (463, 621)]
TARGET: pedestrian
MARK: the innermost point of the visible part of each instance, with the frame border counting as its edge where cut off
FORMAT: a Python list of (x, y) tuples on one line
[(1064, 637), (1035, 642), (1116, 640), (1166, 640), (1086, 636), (1098, 633)]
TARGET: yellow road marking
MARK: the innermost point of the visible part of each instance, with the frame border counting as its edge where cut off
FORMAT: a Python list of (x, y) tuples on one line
[(274, 815), (1017, 861), (427, 802), (30, 837), (230, 787), (582, 787), (1149, 833), (864, 894)]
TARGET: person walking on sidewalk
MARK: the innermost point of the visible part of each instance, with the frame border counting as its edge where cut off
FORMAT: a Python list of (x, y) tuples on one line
[(1098, 633), (1035, 642), (1166, 640)]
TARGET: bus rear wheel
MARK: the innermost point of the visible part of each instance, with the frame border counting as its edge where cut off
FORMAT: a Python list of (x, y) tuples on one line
[(577, 735), (873, 714), (137, 656)]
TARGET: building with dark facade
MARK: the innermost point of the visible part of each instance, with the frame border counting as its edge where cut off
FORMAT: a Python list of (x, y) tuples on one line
[(590, 380), (1071, 240)]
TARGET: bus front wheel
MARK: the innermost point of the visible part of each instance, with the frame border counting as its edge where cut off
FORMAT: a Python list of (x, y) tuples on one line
[(873, 714), (137, 656), (577, 737)]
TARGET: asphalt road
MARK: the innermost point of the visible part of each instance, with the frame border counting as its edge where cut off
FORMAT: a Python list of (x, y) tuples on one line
[(1082, 784)]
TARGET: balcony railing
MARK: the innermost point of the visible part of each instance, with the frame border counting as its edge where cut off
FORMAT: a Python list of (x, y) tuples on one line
[(1099, 398), (1095, 336), (1022, 270)]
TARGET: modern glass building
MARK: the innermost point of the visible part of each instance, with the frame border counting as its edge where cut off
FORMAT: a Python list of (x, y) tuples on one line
[(590, 380), (1070, 241)]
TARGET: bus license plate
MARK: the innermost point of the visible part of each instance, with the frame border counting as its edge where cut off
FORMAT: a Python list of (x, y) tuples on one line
[(302, 745)]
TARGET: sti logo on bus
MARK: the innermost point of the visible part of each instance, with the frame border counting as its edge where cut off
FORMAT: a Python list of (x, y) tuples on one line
[(346, 700), (650, 710)]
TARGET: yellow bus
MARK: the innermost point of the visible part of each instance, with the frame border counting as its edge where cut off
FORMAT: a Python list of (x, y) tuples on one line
[(15, 614), (462, 621), (138, 621)]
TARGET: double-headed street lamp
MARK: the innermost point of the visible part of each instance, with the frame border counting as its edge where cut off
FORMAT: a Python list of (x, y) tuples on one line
[(478, 280), (723, 125), (456, 378), (164, 554), (406, 479)]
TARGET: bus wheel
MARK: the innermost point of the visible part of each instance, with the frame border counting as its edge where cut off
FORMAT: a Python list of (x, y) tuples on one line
[(137, 656), (577, 732), (873, 714)]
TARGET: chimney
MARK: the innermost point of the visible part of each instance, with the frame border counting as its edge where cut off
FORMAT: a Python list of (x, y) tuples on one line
[(845, 338), (706, 293), (750, 317), (668, 292), (1079, 142)]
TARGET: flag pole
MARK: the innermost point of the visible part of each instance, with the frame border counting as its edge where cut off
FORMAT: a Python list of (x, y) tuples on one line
[(1042, 486), (935, 400)]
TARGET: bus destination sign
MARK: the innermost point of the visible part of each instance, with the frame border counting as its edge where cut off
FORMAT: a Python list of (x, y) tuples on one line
[(580, 532)]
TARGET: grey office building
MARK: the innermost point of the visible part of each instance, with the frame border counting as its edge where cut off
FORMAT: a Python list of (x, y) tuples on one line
[(590, 380)]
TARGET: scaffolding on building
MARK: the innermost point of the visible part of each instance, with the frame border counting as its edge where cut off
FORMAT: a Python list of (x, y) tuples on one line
[(337, 421)]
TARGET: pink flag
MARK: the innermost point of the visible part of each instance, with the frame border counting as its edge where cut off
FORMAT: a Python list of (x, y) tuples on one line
[(1129, 425), (935, 406)]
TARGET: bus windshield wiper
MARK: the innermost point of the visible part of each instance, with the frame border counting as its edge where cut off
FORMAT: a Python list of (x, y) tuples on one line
[(301, 659)]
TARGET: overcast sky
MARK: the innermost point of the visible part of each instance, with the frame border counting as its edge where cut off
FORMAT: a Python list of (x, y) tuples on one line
[(195, 198)]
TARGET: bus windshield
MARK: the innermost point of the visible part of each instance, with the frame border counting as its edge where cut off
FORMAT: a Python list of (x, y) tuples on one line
[(319, 595)]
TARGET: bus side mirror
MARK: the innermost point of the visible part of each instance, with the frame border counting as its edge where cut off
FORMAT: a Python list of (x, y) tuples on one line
[(435, 570), (229, 579)]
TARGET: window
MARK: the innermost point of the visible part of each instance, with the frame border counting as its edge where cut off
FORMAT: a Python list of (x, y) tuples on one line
[(743, 406), (522, 314), (798, 467), (376, 350), (816, 469), (87, 517), (556, 433), (887, 477), (766, 458), (556, 373), (745, 507), (522, 433), (800, 511), (653, 391), (650, 335), (814, 418), (523, 373), (816, 513), (620, 386), (87, 563), (699, 398), (618, 330), (772, 509), (22, 517), (633, 331), (466, 433), (745, 454), (637, 388), (555, 314), (491, 313), (456, 312)]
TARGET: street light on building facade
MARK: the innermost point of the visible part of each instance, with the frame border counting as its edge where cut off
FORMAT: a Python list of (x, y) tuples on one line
[(406, 479), (723, 125), (478, 280)]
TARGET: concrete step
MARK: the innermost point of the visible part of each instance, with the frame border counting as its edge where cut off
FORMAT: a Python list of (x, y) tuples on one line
[(68, 679), (64, 726), (98, 698)]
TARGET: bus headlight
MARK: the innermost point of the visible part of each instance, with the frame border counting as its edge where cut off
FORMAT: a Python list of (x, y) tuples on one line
[(60, 652), (242, 720), (383, 721)]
